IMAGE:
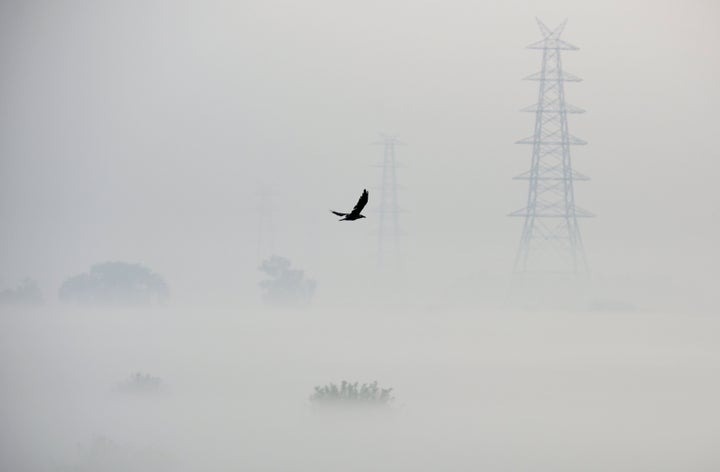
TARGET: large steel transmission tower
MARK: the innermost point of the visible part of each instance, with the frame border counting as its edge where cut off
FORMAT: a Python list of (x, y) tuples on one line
[(551, 239), (389, 226)]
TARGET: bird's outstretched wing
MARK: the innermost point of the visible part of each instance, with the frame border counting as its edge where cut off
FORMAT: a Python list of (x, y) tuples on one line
[(361, 203), (338, 213)]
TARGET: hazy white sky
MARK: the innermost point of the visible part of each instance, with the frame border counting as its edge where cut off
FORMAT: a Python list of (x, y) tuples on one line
[(141, 131)]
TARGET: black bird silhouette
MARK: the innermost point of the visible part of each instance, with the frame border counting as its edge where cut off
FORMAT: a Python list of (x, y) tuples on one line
[(355, 213)]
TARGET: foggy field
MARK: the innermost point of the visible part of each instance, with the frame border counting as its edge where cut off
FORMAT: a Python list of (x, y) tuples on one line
[(474, 390), (178, 295)]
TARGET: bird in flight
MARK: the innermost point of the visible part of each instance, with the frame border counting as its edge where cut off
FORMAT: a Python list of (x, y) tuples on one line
[(355, 213)]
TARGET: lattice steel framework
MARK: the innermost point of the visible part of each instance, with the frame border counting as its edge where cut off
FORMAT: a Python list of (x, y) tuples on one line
[(551, 239), (266, 225), (389, 210)]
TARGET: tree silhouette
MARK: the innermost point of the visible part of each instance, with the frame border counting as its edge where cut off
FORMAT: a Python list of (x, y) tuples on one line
[(27, 293), (115, 283), (285, 286)]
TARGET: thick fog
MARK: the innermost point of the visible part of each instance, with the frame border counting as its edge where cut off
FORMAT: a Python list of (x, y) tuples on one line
[(155, 155)]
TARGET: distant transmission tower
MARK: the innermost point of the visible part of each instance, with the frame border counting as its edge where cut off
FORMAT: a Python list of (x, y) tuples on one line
[(266, 226), (551, 239), (389, 226)]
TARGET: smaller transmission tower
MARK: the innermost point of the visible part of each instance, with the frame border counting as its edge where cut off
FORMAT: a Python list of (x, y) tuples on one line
[(389, 210), (551, 239), (266, 227)]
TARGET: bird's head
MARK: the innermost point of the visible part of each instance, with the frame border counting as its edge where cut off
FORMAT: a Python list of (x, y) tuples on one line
[(362, 216)]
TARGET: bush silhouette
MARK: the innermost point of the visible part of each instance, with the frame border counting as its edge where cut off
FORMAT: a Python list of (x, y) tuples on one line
[(351, 394), (141, 383)]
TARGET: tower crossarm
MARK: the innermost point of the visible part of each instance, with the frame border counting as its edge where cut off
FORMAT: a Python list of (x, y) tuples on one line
[(569, 139), (553, 109), (543, 76)]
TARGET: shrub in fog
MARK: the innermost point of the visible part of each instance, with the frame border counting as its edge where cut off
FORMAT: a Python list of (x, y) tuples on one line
[(115, 283), (351, 394), (285, 286), (141, 383), (27, 293)]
